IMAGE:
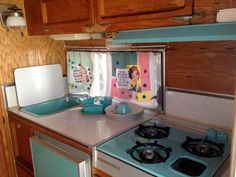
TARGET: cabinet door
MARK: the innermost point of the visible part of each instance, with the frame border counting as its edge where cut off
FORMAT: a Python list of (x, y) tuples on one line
[(132, 10), (57, 16), (21, 144)]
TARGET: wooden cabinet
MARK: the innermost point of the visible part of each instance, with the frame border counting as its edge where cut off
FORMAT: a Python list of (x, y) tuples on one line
[(118, 11), (21, 131), (23, 172), (53, 16), (20, 139), (75, 16), (99, 173), (45, 17)]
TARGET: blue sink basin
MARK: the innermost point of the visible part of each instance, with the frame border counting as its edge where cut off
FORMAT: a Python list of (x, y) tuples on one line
[(51, 107)]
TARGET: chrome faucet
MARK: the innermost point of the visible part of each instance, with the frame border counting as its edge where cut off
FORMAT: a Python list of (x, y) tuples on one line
[(76, 95)]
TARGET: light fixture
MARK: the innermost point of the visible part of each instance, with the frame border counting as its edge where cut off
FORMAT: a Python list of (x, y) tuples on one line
[(78, 36), (11, 16)]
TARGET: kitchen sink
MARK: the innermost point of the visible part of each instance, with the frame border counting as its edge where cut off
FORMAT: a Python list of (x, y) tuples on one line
[(51, 107)]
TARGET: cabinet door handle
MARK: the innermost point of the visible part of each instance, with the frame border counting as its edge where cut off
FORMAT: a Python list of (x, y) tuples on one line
[(18, 126)]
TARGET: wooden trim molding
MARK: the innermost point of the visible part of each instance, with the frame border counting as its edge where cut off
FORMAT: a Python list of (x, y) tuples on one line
[(99, 173), (3, 168), (233, 146)]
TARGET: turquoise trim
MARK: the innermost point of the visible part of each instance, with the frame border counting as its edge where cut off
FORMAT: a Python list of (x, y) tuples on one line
[(206, 32)]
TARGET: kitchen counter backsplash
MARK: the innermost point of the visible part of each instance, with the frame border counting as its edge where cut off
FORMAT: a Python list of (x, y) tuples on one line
[(210, 110)]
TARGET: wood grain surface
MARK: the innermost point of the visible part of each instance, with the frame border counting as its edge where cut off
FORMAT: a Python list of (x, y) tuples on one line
[(204, 11), (17, 51), (202, 66)]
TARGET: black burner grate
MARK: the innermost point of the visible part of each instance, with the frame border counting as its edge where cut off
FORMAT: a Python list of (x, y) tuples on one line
[(152, 131), (203, 147), (149, 152)]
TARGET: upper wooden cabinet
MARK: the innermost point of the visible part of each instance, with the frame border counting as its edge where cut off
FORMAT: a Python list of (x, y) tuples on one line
[(45, 17), (117, 11), (58, 16)]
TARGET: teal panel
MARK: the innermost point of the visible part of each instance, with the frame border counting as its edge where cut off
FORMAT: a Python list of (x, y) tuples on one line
[(122, 59), (51, 107), (206, 32), (48, 163)]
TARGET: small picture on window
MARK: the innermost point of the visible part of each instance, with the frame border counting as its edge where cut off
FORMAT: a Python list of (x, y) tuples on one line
[(81, 74), (134, 76)]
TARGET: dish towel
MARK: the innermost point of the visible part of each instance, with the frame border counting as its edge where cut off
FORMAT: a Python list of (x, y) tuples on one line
[(79, 72), (135, 77)]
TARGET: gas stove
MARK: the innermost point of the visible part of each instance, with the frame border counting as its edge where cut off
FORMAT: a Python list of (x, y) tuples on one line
[(159, 150)]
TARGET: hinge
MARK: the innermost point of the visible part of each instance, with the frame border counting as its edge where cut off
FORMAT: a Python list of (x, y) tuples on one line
[(186, 18)]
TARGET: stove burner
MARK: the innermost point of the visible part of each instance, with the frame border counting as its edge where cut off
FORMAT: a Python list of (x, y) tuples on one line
[(203, 147), (149, 152), (152, 131)]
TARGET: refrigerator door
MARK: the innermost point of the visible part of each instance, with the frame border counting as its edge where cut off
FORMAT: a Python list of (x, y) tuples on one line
[(52, 161)]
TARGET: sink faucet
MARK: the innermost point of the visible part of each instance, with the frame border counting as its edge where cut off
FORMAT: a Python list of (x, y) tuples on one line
[(76, 95)]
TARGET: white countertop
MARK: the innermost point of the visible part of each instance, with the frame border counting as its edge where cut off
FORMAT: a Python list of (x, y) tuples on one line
[(90, 130)]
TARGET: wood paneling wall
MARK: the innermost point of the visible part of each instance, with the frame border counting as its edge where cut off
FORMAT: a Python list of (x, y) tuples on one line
[(17, 51), (202, 66)]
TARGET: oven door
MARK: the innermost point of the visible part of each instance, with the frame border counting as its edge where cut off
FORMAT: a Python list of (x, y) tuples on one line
[(114, 167), (52, 159)]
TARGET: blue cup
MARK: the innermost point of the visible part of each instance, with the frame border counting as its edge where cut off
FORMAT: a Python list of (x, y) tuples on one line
[(123, 108)]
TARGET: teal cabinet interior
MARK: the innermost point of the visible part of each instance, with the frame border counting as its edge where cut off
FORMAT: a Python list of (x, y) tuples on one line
[(206, 32)]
